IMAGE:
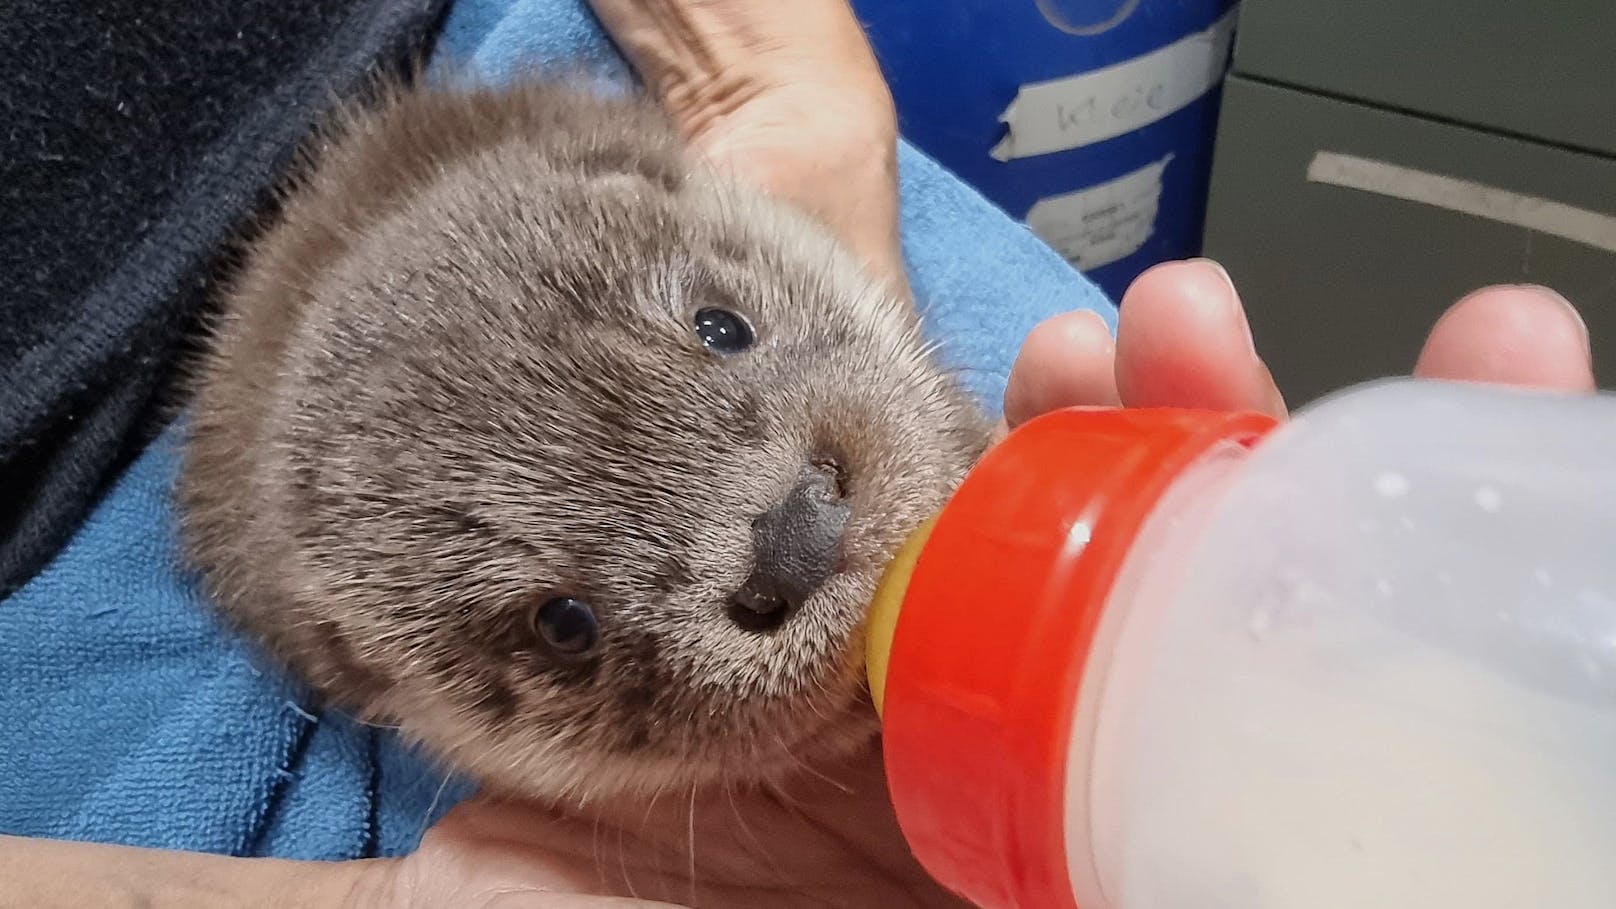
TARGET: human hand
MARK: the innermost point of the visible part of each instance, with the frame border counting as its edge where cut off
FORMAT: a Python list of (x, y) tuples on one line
[(1183, 340), (786, 96), (826, 837)]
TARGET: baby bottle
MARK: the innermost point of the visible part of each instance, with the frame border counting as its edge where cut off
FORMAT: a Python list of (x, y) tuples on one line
[(1170, 659)]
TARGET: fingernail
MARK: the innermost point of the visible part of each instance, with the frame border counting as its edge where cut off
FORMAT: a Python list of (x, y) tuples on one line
[(1231, 300), (1096, 320), (1570, 310), (1216, 266)]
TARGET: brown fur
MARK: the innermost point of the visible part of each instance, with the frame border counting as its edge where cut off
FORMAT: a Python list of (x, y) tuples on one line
[(457, 377)]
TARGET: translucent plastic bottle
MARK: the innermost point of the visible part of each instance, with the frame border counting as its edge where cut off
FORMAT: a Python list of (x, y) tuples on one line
[(1161, 659)]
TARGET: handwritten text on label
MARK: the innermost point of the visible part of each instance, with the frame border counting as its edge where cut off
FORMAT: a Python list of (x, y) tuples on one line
[(1092, 107)]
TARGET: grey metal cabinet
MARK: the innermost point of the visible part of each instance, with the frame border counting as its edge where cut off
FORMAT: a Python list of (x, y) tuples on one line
[(1377, 159), (1544, 69)]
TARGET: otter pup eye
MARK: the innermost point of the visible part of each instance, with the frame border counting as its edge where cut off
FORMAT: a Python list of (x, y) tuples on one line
[(722, 331), (566, 624)]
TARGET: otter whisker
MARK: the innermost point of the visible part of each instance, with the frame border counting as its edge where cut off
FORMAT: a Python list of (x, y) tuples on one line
[(622, 864), (691, 830), (809, 769), (432, 807), (740, 822), (595, 853)]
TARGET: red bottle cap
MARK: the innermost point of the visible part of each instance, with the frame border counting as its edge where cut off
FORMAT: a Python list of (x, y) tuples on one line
[(994, 632)]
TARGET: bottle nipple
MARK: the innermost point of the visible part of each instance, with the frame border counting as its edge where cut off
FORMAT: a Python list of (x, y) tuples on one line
[(884, 608)]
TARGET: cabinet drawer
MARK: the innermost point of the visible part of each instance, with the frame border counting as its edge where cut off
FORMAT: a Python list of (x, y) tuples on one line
[(1546, 71), (1343, 278)]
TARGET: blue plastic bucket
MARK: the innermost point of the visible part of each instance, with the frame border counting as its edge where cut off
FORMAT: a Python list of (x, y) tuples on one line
[(1092, 120)]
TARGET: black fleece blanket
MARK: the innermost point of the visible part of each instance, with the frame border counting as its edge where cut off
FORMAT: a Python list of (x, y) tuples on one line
[(136, 140)]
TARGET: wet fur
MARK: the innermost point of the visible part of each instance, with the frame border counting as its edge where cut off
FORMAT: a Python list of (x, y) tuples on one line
[(456, 377)]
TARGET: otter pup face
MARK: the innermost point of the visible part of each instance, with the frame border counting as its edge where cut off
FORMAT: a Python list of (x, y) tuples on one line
[(582, 477)]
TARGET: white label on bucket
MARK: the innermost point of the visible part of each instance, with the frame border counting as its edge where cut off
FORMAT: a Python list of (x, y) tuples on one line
[(1081, 110), (1531, 212), (1102, 224)]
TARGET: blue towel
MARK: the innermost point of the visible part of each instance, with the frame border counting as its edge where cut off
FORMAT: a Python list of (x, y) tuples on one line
[(132, 717)]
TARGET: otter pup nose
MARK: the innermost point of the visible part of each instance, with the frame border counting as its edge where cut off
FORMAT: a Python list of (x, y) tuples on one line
[(796, 546)]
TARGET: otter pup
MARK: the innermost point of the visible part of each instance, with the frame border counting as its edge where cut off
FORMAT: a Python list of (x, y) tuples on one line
[(523, 431)]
